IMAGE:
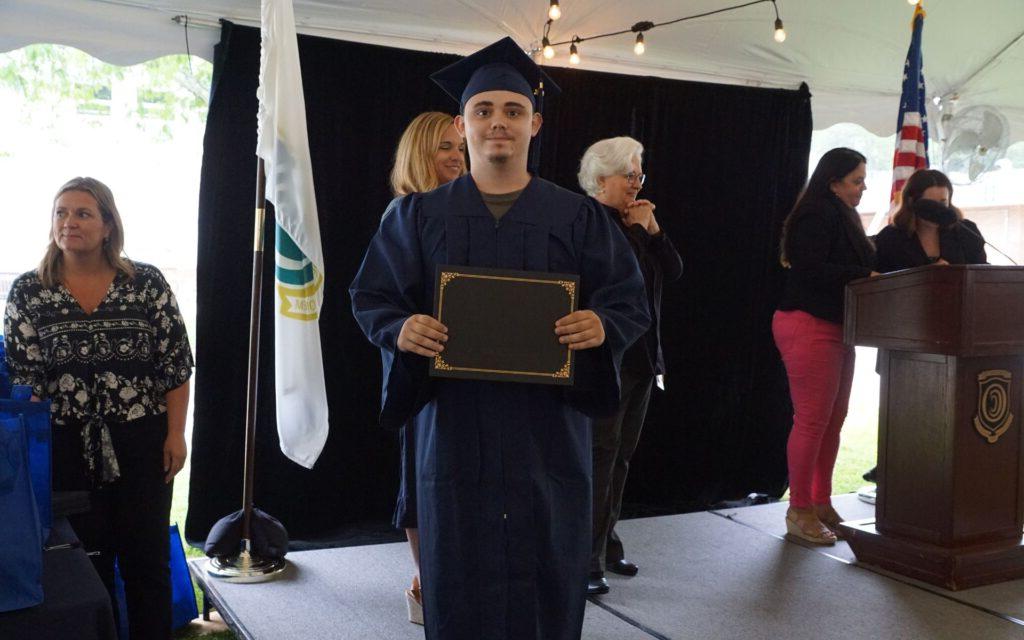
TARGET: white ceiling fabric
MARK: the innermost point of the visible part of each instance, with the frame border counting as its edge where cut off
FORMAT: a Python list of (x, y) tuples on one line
[(850, 52)]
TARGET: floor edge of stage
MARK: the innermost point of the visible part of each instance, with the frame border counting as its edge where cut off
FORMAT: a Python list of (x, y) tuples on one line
[(714, 574)]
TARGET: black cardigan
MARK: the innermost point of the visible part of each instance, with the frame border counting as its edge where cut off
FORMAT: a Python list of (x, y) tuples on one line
[(660, 263), (824, 254), (957, 245)]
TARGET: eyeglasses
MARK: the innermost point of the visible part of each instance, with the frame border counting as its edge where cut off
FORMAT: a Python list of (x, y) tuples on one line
[(637, 178)]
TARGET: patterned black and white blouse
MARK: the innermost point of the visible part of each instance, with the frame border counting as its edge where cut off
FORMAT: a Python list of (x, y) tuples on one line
[(113, 365)]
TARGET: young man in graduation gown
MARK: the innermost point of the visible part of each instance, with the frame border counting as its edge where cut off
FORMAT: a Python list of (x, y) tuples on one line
[(503, 468)]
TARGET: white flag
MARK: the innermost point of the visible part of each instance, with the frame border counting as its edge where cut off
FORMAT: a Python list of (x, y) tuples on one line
[(283, 143)]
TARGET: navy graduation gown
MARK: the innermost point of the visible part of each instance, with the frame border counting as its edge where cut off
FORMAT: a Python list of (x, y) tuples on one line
[(503, 469)]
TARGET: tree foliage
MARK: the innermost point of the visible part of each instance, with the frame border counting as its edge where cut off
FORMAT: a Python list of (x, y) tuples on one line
[(166, 89)]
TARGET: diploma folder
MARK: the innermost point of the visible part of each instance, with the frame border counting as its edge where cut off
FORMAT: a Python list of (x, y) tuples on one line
[(501, 324)]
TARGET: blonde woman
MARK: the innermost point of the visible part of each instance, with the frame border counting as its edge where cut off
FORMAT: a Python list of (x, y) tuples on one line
[(102, 338), (430, 154)]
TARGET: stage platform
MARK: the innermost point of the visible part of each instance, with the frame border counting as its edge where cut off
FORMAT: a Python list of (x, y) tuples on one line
[(715, 574)]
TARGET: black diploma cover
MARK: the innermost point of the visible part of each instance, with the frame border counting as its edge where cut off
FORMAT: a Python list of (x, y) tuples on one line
[(501, 324)]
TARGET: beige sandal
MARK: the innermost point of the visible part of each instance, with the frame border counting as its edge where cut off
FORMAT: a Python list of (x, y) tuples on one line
[(805, 525), (828, 516), (414, 602)]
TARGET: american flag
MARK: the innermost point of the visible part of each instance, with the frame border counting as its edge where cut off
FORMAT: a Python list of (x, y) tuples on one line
[(912, 126)]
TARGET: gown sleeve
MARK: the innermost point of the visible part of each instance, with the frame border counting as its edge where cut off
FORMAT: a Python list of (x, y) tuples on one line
[(387, 289), (613, 288)]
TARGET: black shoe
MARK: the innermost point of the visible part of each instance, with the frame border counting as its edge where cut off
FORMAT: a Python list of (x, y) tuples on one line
[(871, 476), (596, 584), (623, 568)]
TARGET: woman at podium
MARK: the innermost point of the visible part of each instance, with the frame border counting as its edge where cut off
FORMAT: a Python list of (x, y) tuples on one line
[(823, 248), (927, 229)]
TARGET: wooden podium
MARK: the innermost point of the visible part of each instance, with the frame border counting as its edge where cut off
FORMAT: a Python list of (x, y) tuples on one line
[(950, 502)]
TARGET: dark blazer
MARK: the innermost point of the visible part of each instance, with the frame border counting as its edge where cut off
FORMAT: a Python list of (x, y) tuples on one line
[(825, 251), (660, 263), (959, 244)]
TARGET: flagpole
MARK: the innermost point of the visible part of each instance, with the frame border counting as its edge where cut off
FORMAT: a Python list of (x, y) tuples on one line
[(247, 567), (256, 304)]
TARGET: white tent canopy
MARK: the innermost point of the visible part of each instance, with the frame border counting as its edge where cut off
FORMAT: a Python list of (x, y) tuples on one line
[(850, 52)]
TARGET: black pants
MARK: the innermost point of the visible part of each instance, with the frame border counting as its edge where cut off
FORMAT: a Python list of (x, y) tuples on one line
[(128, 520), (615, 440)]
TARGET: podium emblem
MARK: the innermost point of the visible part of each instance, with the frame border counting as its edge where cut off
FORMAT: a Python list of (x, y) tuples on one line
[(993, 417)]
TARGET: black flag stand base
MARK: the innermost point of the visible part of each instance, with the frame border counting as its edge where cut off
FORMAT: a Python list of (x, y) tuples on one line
[(245, 567)]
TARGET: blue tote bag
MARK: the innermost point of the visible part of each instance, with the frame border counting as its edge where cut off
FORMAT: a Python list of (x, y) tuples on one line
[(183, 595), (36, 417), (21, 538)]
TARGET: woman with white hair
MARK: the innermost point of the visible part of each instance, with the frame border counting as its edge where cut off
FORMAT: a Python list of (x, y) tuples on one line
[(611, 172)]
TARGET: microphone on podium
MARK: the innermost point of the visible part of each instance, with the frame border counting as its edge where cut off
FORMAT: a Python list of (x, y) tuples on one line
[(978, 236)]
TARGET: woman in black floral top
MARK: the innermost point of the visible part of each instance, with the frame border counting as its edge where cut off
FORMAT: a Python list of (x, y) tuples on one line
[(101, 337)]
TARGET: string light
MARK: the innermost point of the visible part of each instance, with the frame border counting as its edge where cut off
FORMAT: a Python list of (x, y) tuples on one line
[(549, 51), (639, 46)]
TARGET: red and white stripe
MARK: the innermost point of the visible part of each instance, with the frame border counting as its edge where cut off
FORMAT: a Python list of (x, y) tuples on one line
[(911, 153)]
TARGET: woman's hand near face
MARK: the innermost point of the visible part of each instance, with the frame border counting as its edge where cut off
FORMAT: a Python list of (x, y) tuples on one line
[(641, 212)]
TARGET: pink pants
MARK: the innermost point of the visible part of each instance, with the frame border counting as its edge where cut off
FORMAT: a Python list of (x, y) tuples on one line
[(820, 371)]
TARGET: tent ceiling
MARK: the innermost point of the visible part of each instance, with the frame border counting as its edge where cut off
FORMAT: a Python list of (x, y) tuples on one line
[(850, 52)]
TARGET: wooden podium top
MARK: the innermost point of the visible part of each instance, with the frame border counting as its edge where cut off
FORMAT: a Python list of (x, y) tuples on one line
[(961, 310)]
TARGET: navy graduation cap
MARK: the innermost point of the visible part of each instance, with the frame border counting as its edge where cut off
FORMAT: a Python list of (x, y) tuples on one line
[(501, 66)]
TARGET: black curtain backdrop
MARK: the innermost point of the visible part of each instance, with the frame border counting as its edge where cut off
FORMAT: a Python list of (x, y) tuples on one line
[(724, 165)]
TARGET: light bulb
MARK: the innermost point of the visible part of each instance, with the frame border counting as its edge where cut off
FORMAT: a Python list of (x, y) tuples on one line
[(913, 1), (554, 12), (639, 47), (549, 51), (780, 33), (574, 56)]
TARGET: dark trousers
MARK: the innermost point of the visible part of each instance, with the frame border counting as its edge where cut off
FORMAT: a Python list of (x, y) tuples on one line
[(128, 520), (615, 440)]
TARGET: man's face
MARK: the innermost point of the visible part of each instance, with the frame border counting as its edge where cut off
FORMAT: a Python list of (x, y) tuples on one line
[(498, 126)]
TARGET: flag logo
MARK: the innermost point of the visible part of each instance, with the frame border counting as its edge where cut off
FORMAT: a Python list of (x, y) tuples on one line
[(298, 280), (283, 144)]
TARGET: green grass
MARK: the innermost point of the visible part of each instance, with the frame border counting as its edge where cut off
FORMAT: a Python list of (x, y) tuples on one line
[(858, 446)]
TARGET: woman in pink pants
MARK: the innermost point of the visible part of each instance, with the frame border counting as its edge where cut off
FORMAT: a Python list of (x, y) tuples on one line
[(823, 247)]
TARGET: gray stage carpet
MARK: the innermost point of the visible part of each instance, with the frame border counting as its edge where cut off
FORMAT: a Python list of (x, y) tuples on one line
[(1006, 599), (727, 574), (353, 593)]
